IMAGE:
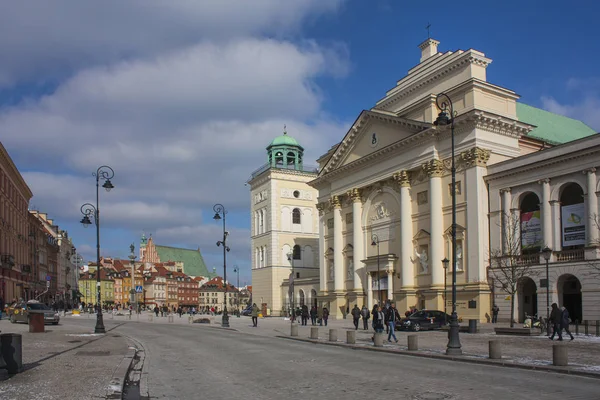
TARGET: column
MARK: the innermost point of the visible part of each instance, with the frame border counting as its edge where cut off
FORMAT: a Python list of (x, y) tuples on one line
[(369, 291), (338, 245), (546, 213), (557, 245), (592, 208), (321, 249), (434, 169), (357, 237), (390, 290), (407, 277), (506, 222)]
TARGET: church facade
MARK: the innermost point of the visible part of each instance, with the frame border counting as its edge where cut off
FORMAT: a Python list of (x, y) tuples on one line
[(385, 192)]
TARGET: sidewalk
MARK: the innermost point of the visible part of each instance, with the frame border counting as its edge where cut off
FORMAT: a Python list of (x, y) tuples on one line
[(65, 362)]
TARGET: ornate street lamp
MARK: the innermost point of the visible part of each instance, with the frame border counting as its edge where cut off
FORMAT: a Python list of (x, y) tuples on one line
[(375, 242), (445, 105), (547, 253), (445, 262), (220, 209), (236, 269), (291, 290), (89, 210)]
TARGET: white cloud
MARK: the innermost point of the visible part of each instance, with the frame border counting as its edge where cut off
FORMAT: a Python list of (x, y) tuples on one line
[(585, 109), (50, 40), (183, 119)]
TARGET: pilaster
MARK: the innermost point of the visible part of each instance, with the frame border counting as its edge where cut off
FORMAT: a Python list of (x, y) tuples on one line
[(592, 208), (407, 277), (357, 237), (434, 170), (338, 245), (546, 212)]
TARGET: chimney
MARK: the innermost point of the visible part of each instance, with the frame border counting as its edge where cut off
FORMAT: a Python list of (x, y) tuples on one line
[(428, 48)]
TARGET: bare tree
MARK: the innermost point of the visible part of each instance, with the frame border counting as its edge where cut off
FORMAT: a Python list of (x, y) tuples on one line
[(507, 264)]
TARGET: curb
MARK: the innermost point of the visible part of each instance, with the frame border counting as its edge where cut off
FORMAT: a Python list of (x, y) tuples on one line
[(497, 363), (117, 382)]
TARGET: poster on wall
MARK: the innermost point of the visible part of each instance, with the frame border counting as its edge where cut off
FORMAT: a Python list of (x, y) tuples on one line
[(531, 229), (573, 224)]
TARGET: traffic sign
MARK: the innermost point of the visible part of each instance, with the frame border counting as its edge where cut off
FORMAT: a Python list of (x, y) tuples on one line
[(139, 289), (76, 259), (48, 278)]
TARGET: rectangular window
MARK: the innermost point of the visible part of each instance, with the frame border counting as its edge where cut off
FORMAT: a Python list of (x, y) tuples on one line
[(422, 198)]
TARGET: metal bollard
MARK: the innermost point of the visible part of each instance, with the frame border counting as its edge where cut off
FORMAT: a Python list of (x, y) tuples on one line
[(560, 356), (333, 334), (585, 327), (294, 330), (495, 350), (351, 337), (413, 342), (12, 352), (314, 332), (378, 340)]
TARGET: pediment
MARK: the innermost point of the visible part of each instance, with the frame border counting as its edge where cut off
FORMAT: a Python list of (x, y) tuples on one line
[(348, 249), (459, 229), (371, 132), (422, 234)]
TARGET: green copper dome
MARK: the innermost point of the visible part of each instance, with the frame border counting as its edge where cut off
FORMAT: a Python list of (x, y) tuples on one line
[(284, 140), (285, 152)]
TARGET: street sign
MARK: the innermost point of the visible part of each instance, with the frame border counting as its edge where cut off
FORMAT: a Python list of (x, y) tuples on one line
[(48, 278), (76, 259), (139, 289), (48, 284)]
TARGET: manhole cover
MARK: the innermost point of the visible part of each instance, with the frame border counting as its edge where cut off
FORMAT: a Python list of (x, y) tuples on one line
[(433, 396), (74, 341), (92, 353)]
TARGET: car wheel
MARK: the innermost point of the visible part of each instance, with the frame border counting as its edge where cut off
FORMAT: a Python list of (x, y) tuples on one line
[(416, 327)]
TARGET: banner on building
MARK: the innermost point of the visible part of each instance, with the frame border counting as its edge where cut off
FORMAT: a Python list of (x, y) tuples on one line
[(531, 229), (383, 283), (573, 224)]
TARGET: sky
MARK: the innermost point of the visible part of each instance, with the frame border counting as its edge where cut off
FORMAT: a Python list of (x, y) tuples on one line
[(182, 98)]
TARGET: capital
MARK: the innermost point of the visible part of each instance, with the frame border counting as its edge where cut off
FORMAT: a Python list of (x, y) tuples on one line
[(321, 208), (545, 180), (355, 195), (475, 157), (402, 178), (434, 168), (335, 202), (505, 190), (589, 171)]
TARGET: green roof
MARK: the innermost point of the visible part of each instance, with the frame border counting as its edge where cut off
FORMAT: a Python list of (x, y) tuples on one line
[(550, 127), (284, 140), (193, 262)]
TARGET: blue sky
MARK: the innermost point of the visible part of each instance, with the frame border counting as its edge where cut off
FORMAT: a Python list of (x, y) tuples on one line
[(182, 98)]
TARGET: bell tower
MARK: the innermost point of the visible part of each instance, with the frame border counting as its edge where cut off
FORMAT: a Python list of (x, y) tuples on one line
[(285, 152)]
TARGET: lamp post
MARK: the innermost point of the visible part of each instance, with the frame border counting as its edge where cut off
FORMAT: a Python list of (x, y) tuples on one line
[(290, 257), (375, 242), (445, 105), (133, 289), (220, 209), (445, 262), (236, 269), (547, 253), (89, 210)]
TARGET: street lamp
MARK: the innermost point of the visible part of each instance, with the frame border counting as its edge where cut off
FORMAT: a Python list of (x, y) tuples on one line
[(133, 289), (89, 210), (445, 261), (375, 242), (290, 257), (445, 105), (220, 209), (236, 269), (547, 253)]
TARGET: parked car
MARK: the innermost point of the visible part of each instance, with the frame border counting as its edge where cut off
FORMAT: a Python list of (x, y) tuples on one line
[(425, 319), (247, 311), (23, 309)]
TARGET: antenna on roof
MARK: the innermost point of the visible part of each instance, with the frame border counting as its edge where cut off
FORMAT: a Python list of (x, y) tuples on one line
[(428, 27)]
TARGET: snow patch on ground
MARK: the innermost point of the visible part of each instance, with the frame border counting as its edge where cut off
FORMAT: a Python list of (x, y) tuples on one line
[(84, 334)]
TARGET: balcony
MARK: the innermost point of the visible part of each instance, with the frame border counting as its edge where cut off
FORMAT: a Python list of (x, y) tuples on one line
[(570, 255), (528, 259)]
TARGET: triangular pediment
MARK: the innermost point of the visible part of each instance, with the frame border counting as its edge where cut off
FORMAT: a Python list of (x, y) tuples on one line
[(422, 234), (459, 229), (371, 132)]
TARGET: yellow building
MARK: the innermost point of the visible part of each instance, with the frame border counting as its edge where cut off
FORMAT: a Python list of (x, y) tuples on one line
[(88, 287)]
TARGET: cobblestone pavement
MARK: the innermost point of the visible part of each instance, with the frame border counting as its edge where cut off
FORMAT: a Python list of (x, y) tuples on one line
[(185, 361), (65, 362)]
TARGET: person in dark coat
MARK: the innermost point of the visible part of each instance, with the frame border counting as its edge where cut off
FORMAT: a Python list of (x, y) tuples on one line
[(325, 315), (304, 314), (365, 316), (555, 320), (495, 311), (355, 316), (564, 321), (313, 315), (378, 320)]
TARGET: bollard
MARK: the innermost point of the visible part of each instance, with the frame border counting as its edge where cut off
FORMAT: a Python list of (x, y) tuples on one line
[(36, 323), (597, 328), (413, 342), (112, 316), (351, 337), (190, 319), (170, 318), (585, 327), (559, 355), (314, 332), (150, 317), (11, 345), (333, 335), (294, 329), (495, 350), (378, 340)]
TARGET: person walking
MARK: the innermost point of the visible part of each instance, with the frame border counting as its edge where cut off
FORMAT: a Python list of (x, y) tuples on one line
[(366, 314), (564, 321), (325, 315), (304, 315), (313, 315), (378, 321), (495, 311), (356, 316), (555, 320), (392, 318), (254, 314)]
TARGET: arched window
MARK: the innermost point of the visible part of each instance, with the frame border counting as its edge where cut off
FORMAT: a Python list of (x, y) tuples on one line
[(291, 158), (297, 253), (279, 159), (296, 216)]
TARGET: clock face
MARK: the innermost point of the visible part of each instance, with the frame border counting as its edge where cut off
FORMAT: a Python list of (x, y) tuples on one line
[(374, 140)]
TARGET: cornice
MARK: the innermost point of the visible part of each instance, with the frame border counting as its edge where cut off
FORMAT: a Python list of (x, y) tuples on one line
[(467, 57), (14, 173)]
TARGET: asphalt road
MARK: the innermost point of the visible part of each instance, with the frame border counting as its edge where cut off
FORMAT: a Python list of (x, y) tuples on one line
[(188, 362)]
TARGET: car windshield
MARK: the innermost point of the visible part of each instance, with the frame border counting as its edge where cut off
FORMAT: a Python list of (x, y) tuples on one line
[(36, 306)]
